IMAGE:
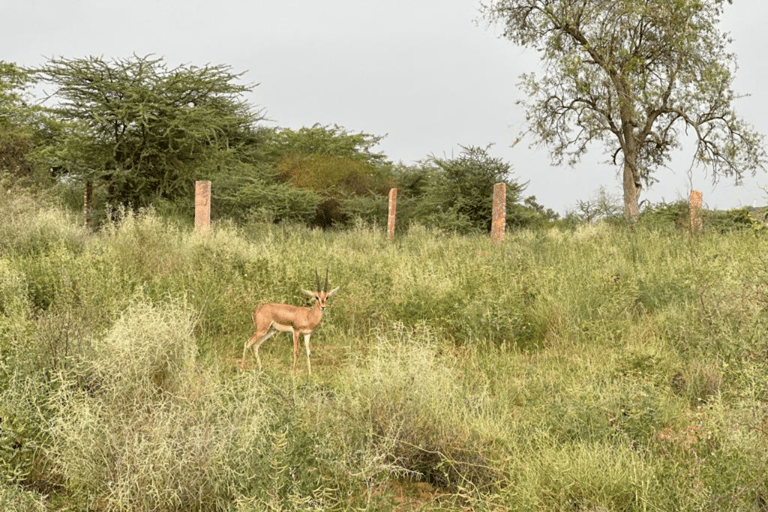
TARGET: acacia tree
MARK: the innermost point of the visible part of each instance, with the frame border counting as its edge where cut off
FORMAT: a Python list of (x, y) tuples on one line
[(141, 129), (633, 75)]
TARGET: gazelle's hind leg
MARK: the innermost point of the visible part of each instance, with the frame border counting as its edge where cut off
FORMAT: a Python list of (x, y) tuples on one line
[(255, 342), (259, 343)]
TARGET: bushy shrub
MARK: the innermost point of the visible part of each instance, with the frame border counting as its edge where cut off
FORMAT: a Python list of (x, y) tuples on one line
[(25, 411), (730, 220), (578, 476), (412, 405), (145, 429), (148, 351), (268, 202), (15, 307), (31, 229), (667, 215)]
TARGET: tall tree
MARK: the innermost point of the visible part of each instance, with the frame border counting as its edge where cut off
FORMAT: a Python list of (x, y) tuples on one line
[(634, 75), (142, 129)]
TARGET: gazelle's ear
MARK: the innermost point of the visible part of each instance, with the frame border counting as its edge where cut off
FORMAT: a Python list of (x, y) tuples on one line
[(333, 291), (309, 293)]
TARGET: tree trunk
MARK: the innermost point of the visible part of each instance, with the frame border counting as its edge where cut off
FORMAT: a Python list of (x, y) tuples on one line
[(631, 189)]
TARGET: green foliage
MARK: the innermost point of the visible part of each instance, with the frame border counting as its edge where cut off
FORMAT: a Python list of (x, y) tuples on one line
[(330, 141), (736, 219), (677, 215), (15, 150), (22, 126), (320, 176), (272, 202), (14, 110), (456, 194), (459, 196), (334, 164)]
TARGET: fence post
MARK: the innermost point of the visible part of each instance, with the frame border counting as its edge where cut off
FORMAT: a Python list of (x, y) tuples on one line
[(88, 204), (695, 209), (202, 205), (499, 212), (392, 214)]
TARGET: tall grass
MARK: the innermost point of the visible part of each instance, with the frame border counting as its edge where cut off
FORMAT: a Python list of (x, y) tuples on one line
[(601, 368)]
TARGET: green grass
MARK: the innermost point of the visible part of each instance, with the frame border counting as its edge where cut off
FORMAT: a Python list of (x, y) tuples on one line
[(602, 368)]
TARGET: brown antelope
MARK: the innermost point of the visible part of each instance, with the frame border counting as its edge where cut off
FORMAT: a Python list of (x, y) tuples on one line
[(269, 319)]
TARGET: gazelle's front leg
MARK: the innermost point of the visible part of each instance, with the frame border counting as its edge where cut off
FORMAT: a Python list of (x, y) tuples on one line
[(295, 350), (306, 345)]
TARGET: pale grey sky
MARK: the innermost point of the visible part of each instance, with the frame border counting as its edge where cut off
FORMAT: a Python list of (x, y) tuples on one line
[(424, 73)]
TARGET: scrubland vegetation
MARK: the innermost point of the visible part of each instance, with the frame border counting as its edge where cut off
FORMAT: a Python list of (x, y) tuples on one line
[(589, 367)]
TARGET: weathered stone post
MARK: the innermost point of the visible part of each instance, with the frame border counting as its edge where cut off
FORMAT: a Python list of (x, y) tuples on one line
[(392, 214), (695, 208), (498, 224), (202, 205)]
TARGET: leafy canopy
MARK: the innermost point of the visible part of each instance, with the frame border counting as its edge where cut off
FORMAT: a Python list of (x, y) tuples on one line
[(145, 131), (13, 82), (21, 123), (330, 160)]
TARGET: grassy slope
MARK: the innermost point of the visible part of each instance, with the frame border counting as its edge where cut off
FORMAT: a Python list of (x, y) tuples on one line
[(558, 371)]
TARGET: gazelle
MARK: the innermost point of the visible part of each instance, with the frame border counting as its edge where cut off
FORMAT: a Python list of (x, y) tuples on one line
[(269, 319)]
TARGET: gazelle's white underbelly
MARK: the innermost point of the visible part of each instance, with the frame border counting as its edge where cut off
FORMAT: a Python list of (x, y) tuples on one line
[(288, 328)]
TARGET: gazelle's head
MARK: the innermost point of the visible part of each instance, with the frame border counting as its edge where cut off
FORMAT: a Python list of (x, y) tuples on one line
[(321, 295)]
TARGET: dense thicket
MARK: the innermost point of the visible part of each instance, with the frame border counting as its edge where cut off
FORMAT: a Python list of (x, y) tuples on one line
[(142, 133)]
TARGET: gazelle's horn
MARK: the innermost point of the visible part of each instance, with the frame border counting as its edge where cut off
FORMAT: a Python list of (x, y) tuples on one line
[(325, 288), (317, 281)]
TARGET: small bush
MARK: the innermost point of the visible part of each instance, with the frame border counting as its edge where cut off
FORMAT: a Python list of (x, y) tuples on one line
[(149, 350), (580, 476), (15, 499), (24, 415)]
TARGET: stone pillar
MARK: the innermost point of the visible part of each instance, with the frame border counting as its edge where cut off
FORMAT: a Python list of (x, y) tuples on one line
[(695, 207), (499, 212), (202, 205), (392, 214)]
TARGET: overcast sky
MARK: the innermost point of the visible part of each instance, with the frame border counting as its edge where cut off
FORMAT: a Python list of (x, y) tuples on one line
[(424, 73)]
